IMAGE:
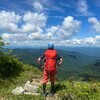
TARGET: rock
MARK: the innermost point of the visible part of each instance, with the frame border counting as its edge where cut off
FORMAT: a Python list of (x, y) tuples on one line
[(30, 88), (18, 90), (31, 93)]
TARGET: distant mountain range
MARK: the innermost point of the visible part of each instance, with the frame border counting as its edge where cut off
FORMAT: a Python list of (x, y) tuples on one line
[(75, 64), (92, 51), (88, 50)]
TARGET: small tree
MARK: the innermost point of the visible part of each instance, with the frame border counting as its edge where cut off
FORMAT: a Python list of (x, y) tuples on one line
[(1, 46), (10, 67)]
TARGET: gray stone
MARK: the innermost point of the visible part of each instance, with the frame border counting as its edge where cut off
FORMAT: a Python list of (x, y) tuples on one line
[(30, 88)]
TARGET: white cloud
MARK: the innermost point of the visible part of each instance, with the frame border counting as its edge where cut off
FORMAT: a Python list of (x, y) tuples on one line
[(5, 35), (97, 37), (38, 39), (18, 37), (96, 24), (32, 29), (9, 21), (36, 36), (83, 9), (89, 41), (9, 17), (76, 41), (32, 26), (35, 18), (71, 42), (28, 28), (68, 28), (38, 6), (29, 22), (33, 22), (51, 32)]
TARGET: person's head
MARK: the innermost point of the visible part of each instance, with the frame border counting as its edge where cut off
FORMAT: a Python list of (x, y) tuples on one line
[(50, 46)]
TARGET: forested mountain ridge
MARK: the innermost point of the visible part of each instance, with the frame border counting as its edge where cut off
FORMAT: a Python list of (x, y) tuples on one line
[(92, 70), (74, 63)]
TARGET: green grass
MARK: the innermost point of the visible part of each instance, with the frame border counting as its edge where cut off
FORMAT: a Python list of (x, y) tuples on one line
[(7, 85), (64, 89), (79, 90)]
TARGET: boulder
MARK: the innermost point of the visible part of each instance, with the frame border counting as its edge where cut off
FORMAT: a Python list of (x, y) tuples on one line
[(30, 88)]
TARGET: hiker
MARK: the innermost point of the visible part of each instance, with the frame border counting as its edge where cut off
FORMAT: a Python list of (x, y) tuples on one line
[(52, 60)]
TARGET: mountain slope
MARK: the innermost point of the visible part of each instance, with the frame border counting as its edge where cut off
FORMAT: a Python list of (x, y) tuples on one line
[(92, 70), (73, 62), (64, 90), (28, 56)]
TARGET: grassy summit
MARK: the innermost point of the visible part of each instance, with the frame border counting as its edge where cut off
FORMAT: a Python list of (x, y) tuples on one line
[(64, 90)]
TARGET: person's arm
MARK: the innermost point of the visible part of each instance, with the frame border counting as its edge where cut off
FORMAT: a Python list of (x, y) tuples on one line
[(40, 58), (60, 60)]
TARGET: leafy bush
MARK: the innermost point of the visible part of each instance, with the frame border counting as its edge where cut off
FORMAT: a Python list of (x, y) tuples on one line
[(78, 90), (10, 67)]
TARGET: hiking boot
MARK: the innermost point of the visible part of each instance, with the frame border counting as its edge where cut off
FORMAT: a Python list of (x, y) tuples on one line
[(44, 94), (52, 90), (44, 90), (51, 94)]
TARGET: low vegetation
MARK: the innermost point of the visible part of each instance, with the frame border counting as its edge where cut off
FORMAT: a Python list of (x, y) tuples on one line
[(15, 73)]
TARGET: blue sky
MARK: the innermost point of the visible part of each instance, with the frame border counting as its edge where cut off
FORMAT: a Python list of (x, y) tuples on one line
[(38, 22)]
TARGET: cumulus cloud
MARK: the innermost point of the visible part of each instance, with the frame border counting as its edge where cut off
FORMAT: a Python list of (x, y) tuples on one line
[(33, 29), (28, 28), (51, 32), (33, 22), (32, 26), (68, 28), (95, 24), (77, 41), (37, 38), (89, 41), (35, 18), (9, 21), (29, 22)]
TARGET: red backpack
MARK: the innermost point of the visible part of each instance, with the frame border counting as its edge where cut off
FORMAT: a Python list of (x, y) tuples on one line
[(51, 59)]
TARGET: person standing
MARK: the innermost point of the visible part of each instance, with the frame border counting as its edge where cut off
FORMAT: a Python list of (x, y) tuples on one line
[(52, 59)]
